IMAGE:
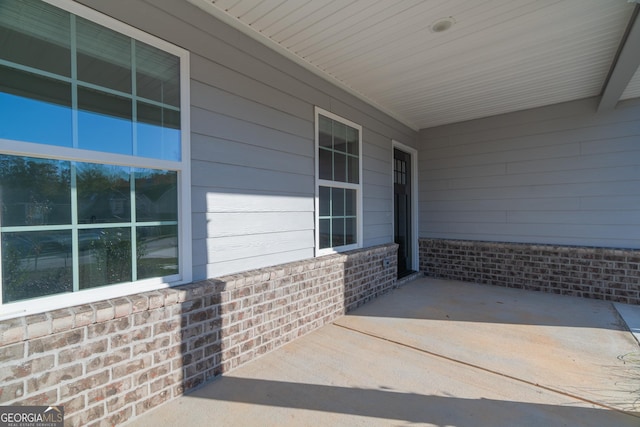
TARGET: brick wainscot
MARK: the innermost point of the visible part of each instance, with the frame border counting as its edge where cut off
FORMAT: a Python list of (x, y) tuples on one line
[(590, 272), (109, 361)]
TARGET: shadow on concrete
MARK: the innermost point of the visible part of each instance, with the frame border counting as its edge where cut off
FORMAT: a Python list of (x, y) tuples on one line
[(401, 407)]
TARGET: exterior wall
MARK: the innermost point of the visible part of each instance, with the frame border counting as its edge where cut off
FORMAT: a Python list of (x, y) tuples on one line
[(252, 144), (560, 175), (590, 272), (110, 361), (258, 284)]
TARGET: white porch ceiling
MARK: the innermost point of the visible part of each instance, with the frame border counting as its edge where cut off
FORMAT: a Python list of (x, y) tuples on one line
[(499, 56)]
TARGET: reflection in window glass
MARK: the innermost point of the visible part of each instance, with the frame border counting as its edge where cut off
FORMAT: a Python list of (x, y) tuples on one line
[(158, 132), (325, 165), (338, 151), (325, 233), (157, 251), (104, 193), (76, 224), (104, 122), (34, 191), (158, 75), (350, 203), (337, 217), (104, 56), (337, 232), (325, 201), (339, 137), (352, 141), (39, 35), (34, 108), (35, 264), (36, 103), (156, 195), (337, 202), (339, 167), (353, 167), (105, 256), (325, 137), (339, 171), (350, 236)]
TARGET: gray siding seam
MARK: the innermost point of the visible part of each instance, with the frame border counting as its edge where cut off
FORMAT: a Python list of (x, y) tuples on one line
[(264, 147), (425, 136), (220, 109), (256, 192), (556, 112), (236, 165)]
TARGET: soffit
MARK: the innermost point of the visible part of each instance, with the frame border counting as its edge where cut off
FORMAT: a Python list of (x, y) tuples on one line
[(499, 56)]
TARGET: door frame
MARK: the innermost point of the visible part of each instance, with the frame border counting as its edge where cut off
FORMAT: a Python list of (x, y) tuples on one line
[(415, 264)]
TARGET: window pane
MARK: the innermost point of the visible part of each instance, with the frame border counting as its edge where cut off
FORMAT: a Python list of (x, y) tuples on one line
[(325, 233), (104, 122), (35, 34), (104, 193), (67, 81), (340, 167), (339, 137), (350, 203), (158, 132), (337, 202), (34, 108), (337, 232), (325, 201), (104, 56), (352, 141), (325, 138), (157, 75), (157, 251), (326, 164), (105, 256), (351, 234), (34, 191), (354, 170), (156, 195), (36, 264)]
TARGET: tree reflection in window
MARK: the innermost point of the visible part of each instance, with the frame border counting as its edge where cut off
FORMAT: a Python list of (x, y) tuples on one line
[(118, 238)]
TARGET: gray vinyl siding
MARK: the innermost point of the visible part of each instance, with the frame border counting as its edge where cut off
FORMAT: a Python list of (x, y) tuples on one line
[(252, 142), (560, 174)]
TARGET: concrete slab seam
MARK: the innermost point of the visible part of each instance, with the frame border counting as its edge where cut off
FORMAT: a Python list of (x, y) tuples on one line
[(471, 365)]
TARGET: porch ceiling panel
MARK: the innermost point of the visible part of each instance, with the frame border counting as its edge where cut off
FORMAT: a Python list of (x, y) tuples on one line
[(498, 56)]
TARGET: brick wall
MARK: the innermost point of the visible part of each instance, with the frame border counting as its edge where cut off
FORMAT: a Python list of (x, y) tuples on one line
[(591, 272), (366, 276), (113, 360)]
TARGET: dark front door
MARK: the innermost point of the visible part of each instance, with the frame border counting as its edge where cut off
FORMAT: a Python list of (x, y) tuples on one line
[(402, 209)]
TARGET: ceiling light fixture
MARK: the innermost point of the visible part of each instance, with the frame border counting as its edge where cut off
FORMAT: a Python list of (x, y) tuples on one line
[(442, 24)]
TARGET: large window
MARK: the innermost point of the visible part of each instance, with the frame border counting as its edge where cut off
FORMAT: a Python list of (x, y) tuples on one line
[(339, 195), (94, 186)]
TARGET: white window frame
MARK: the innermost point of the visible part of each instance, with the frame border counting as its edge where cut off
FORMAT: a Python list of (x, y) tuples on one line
[(182, 167), (337, 184)]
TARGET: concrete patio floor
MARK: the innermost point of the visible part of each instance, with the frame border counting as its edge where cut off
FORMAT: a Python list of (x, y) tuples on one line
[(436, 353)]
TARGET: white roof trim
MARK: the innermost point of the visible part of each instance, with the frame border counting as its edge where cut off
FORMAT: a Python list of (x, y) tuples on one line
[(249, 31)]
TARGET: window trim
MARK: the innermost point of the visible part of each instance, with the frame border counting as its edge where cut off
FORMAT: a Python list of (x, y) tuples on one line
[(337, 184), (182, 167)]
